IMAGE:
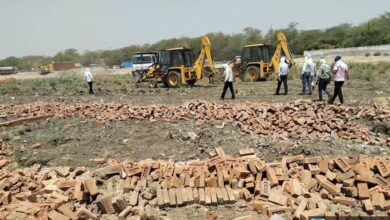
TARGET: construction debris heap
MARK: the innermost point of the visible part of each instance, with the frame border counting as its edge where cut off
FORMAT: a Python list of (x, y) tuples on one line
[(300, 119), (296, 186)]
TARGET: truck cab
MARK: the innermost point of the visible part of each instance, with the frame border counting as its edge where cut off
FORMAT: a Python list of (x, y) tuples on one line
[(142, 62)]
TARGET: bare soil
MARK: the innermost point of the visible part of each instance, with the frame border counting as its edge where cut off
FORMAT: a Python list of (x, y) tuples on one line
[(76, 142)]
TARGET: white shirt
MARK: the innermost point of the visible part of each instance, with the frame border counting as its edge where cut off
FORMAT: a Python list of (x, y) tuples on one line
[(88, 76), (283, 69), (228, 74)]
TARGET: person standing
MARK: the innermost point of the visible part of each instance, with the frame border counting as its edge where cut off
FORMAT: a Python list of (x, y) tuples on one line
[(282, 76), (306, 75), (323, 79), (89, 79), (228, 81), (341, 75)]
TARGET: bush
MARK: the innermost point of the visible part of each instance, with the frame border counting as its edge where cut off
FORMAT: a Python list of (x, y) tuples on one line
[(377, 54), (367, 54)]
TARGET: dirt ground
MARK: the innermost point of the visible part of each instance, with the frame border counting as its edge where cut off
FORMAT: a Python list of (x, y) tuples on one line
[(76, 142)]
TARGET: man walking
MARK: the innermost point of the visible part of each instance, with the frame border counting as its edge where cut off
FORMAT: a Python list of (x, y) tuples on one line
[(89, 79), (341, 74), (282, 76), (306, 75), (228, 81), (323, 79)]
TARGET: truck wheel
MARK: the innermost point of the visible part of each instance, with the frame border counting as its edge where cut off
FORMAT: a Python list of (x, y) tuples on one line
[(153, 83), (251, 74), (173, 79)]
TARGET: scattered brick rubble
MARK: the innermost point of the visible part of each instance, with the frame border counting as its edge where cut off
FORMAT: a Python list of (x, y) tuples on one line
[(300, 119), (297, 187)]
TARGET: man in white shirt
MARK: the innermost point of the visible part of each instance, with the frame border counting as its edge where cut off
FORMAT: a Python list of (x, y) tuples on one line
[(89, 79), (282, 76), (228, 72)]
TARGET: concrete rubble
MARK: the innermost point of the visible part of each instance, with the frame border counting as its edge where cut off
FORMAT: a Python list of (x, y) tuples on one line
[(300, 119), (296, 187)]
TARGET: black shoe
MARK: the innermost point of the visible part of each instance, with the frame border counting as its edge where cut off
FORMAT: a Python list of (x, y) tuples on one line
[(276, 94), (285, 94), (302, 93), (308, 93)]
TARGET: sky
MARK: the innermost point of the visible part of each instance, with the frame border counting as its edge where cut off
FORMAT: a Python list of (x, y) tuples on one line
[(45, 27)]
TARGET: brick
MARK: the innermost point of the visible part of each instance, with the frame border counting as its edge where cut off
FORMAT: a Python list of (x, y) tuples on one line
[(160, 197), (345, 175), (119, 203), (213, 193), (125, 213), (368, 207), (65, 209), (366, 179), (166, 199), (196, 195), (220, 152), (230, 193), (85, 214), (383, 168), (300, 209), (328, 186), (345, 201), (276, 209), (363, 191), (350, 191), (312, 160), (78, 192), (207, 193), (134, 198), (295, 158), (248, 151), (295, 187), (179, 197), (172, 196), (330, 175), (277, 197), (225, 196), (56, 216), (105, 205), (271, 176), (265, 188), (91, 187), (190, 196), (324, 165), (219, 195), (342, 164), (378, 201), (202, 196)]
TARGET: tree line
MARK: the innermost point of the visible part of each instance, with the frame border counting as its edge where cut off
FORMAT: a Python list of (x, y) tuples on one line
[(226, 46)]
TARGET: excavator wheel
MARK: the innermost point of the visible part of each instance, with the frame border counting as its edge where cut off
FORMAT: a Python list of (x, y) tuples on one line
[(173, 79), (251, 74), (153, 83)]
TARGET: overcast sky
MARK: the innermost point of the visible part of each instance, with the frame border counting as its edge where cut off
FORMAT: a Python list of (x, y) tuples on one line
[(45, 27)]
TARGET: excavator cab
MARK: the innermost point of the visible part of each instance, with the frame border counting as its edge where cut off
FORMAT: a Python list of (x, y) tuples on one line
[(258, 62), (180, 65)]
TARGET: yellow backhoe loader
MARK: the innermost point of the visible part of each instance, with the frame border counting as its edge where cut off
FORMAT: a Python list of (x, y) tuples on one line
[(179, 65), (257, 63)]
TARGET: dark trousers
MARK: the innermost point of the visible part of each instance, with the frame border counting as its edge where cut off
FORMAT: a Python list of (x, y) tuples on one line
[(283, 79), (338, 91), (90, 87), (230, 86), (323, 86)]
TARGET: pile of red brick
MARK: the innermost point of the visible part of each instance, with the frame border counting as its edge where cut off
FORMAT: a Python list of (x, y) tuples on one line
[(298, 187), (300, 119)]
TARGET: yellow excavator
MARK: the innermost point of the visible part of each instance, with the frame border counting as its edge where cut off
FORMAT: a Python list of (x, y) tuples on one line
[(179, 65), (256, 62)]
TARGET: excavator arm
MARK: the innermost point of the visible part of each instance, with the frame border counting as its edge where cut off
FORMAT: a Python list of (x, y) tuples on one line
[(281, 48), (205, 53)]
